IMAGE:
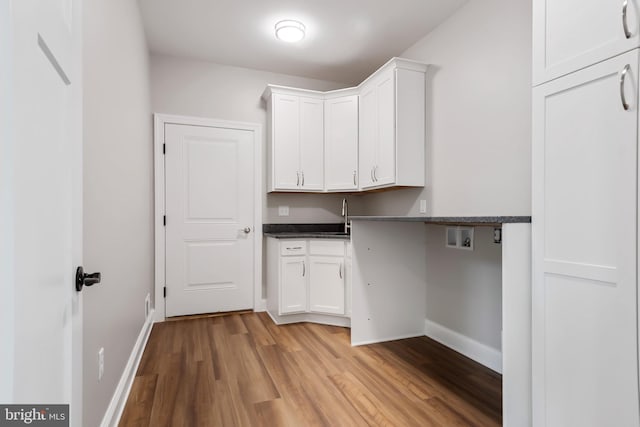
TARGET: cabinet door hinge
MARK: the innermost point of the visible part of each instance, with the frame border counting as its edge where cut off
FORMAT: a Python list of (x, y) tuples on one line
[(164, 220), (164, 148), (165, 291)]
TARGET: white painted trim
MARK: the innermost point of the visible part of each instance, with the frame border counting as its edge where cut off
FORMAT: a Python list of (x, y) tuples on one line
[(481, 353), (322, 319), (119, 400), (385, 339), (259, 304)]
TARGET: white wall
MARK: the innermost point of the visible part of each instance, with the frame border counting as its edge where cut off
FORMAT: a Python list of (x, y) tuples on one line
[(478, 115), (205, 89), (7, 301), (118, 192), (464, 288)]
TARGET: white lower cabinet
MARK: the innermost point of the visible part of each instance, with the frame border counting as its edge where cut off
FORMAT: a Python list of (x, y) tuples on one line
[(326, 284), (293, 298), (308, 277), (348, 279)]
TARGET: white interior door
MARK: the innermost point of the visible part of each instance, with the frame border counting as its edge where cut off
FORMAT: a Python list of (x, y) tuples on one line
[(209, 219), (41, 197), (585, 194)]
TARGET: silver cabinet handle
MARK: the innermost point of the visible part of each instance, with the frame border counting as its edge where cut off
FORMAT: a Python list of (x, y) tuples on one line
[(375, 173), (294, 248), (340, 270), (303, 178), (304, 269), (623, 76), (354, 178), (625, 24), (372, 180), (297, 178), (246, 230)]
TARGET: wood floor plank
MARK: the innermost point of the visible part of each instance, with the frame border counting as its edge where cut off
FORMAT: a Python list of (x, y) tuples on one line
[(243, 370)]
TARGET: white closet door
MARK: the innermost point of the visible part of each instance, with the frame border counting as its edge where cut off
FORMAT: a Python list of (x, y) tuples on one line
[(585, 357), (572, 34)]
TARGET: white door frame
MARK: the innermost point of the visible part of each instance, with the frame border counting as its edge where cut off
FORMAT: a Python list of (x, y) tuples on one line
[(160, 120)]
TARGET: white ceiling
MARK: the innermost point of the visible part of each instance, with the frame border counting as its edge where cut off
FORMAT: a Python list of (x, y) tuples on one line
[(346, 39)]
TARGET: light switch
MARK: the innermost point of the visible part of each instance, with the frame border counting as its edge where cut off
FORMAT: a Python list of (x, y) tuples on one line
[(283, 210), (423, 206)]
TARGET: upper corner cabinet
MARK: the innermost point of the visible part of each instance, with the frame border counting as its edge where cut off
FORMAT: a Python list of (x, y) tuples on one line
[(296, 139), (341, 143), (392, 126), (569, 35)]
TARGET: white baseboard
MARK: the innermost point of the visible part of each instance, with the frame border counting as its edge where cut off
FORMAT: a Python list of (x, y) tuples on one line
[(385, 339), (119, 400), (260, 305), (481, 353), (323, 319)]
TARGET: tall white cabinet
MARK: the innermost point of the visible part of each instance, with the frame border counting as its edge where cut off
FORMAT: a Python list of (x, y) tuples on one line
[(585, 216), (572, 34)]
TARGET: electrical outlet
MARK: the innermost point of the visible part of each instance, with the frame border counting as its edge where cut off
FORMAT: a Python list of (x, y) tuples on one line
[(423, 206), (147, 306), (100, 363), (283, 210)]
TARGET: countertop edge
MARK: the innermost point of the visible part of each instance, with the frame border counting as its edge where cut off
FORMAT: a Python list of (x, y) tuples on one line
[(307, 236), (448, 219)]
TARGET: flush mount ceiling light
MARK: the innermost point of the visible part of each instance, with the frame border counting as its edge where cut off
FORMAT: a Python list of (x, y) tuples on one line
[(290, 31)]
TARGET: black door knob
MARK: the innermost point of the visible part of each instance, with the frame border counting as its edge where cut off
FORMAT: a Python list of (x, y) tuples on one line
[(86, 279)]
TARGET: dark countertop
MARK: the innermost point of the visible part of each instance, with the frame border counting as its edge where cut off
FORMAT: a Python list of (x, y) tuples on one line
[(309, 235), (305, 231), (451, 220)]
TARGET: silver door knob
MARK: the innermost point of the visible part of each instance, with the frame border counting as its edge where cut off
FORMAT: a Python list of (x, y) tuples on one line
[(247, 230)]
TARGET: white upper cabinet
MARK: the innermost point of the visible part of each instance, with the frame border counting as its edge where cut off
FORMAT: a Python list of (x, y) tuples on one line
[(569, 35), (297, 143), (392, 127), (341, 143), (286, 151), (311, 144), (367, 137)]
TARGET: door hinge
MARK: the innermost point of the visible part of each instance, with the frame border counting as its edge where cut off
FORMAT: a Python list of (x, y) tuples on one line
[(164, 220), (164, 148), (165, 291)]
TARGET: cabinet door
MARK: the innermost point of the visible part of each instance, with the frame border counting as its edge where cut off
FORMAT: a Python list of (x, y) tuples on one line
[(585, 354), (341, 143), (311, 144), (348, 269), (572, 34), (385, 170), (286, 157), (293, 285), (368, 127), (326, 285)]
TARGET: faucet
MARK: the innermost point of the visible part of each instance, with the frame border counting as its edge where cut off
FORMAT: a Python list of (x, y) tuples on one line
[(345, 214)]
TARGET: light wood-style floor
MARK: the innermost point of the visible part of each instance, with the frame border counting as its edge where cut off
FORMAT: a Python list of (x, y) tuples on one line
[(243, 370)]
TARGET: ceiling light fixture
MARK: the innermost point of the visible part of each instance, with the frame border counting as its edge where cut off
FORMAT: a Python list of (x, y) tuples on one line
[(290, 31)]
